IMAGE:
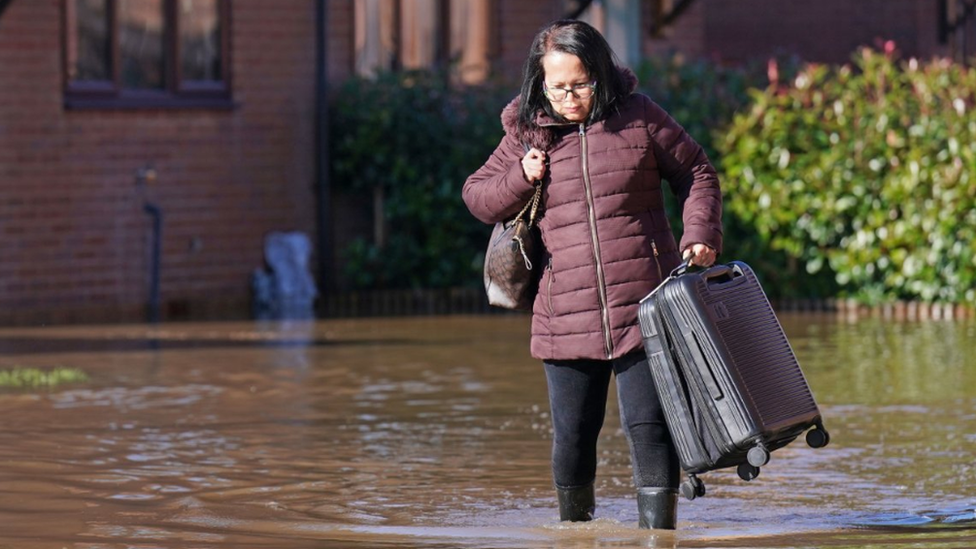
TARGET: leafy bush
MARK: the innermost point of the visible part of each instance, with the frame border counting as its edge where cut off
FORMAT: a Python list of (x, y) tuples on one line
[(704, 97), (415, 137), (864, 170)]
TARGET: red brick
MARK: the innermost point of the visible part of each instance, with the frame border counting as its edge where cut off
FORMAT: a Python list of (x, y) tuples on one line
[(824, 31), (74, 233)]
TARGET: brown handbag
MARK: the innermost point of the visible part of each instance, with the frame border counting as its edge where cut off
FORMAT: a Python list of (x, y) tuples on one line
[(513, 257)]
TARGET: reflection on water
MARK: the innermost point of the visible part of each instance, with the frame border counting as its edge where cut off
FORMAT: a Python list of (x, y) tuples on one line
[(434, 432)]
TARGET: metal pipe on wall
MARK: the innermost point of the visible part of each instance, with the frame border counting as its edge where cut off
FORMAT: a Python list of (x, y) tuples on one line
[(146, 177), (156, 213), (322, 184)]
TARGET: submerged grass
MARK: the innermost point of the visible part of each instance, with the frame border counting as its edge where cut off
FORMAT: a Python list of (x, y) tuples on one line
[(33, 378)]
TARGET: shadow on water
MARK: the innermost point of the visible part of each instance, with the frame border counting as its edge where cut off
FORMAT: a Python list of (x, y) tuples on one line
[(434, 432)]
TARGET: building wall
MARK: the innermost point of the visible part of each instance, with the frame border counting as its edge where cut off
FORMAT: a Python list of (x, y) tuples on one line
[(341, 20), (74, 239), (518, 23), (735, 31), (685, 36)]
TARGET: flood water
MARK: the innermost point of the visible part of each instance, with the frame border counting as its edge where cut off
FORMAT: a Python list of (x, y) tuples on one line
[(434, 433)]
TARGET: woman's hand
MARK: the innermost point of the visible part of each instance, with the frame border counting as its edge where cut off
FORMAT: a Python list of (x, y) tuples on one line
[(534, 165), (700, 254)]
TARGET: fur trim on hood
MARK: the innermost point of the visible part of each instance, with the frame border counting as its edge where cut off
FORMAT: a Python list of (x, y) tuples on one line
[(541, 136)]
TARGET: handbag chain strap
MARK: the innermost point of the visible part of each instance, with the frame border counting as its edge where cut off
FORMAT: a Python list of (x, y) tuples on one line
[(532, 206)]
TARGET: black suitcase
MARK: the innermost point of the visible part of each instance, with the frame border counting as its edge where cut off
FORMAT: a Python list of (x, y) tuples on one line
[(729, 383)]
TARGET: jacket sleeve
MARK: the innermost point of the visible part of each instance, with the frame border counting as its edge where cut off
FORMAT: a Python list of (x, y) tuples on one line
[(692, 177), (498, 190)]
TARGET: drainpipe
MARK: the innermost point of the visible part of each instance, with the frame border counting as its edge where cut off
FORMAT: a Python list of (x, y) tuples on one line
[(157, 223), (322, 185), (144, 177)]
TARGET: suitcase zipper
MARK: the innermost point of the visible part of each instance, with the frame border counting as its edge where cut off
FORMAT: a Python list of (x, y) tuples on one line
[(600, 281)]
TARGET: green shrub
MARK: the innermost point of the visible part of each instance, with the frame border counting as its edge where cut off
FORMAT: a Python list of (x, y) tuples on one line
[(415, 137), (864, 170), (704, 97)]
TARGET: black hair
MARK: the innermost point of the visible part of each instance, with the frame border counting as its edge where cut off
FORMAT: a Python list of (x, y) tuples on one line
[(585, 42)]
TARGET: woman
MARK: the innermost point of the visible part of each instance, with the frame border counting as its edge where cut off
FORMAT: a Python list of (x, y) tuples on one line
[(600, 150)]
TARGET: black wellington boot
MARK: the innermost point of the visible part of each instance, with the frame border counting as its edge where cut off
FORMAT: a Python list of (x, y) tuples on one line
[(658, 508), (576, 504)]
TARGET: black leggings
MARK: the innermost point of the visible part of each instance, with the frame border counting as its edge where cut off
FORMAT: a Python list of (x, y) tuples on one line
[(578, 402)]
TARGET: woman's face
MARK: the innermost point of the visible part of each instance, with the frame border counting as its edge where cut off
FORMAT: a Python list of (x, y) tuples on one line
[(565, 70)]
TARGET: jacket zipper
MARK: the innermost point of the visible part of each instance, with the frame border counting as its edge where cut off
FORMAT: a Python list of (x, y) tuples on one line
[(549, 286), (657, 261), (600, 280)]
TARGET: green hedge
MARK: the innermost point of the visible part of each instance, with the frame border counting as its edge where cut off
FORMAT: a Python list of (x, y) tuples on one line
[(704, 97), (417, 137), (864, 171)]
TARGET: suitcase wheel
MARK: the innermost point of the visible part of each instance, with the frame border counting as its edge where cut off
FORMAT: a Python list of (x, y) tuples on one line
[(758, 456), (747, 471), (693, 488), (818, 437)]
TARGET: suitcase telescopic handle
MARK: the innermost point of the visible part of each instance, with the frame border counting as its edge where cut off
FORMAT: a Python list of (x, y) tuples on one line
[(722, 275), (717, 275)]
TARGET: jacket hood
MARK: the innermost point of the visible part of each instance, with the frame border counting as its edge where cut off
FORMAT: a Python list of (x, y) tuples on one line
[(542, 136)]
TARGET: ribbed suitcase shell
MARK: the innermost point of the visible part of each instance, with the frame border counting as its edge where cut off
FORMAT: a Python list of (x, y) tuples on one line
[(725, 371)]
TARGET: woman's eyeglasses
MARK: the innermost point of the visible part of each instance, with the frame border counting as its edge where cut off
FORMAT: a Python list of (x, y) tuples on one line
[(579, 91)]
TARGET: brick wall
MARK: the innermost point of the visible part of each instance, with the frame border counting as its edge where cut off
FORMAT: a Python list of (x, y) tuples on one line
[(341, 40), (686, 35), (734, 31), (74, 239), (828, 30), (518, 22)]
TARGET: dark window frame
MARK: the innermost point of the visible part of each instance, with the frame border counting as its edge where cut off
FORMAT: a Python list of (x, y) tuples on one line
[(443, 53), (177, 93)]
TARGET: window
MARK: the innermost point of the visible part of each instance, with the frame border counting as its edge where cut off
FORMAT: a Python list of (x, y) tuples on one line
[(619, 21), (147, 53), (417, 34)]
